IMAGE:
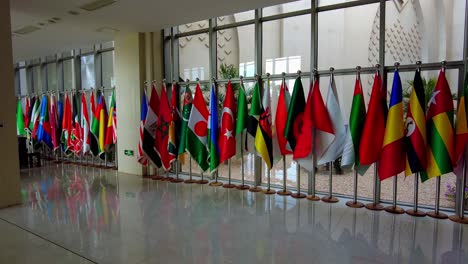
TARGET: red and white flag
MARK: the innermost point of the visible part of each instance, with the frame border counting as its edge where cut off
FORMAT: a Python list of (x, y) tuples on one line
[(226, 138)]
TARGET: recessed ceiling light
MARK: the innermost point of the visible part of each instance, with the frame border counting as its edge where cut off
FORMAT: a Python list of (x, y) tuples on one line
[(73, 12), (26, 30), (95, 5), (107, 30)]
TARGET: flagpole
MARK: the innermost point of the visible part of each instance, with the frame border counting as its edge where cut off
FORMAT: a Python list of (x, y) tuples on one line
[(330, 198), (190, 180), (375, 205), (269, 190), (242, 186), (461, 218), (177, 179), (415, 211), (354, 203), (229, 184), (436, 213), (394, 209), (202, 181), (284, 192)]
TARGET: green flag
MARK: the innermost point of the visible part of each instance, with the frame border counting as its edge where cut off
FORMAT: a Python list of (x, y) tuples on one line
[(356, 124), (197, 131), (242, 111), (20, 120), (296, 107), (187, 108)]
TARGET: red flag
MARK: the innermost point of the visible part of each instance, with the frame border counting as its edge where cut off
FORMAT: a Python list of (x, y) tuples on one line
[(174, 125), (162, 130), (316, 117), (282, 117), (53, 122), (226, 139), (373, 132), (27, 107)]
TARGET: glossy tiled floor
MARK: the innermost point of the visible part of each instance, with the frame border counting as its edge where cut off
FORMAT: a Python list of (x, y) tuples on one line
[(109, 217)]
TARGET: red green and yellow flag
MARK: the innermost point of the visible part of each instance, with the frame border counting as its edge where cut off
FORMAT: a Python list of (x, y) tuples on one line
[(461, 128), (440, 132)]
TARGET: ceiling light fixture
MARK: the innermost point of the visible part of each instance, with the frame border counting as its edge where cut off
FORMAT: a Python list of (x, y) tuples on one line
[(26, 30), (95, 5)]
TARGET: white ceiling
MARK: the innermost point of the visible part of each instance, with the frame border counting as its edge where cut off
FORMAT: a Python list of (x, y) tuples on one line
[(125, 15)]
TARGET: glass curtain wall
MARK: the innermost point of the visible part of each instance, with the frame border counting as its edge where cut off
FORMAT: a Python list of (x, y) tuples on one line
[(343, 34)]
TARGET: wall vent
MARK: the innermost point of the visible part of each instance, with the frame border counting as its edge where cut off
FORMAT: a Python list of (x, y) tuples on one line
[(95, 5)]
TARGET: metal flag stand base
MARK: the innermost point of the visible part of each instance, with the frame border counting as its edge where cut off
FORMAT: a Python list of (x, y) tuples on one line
[(394, 209), (375, 205), (190, 179), (354, 203), (436, 214), (216, 183), (202, 181), (284, 192), (330, 198), (229, 185), (415, 211), (177, 179), (298, 194), (268, 190), (157, 177)]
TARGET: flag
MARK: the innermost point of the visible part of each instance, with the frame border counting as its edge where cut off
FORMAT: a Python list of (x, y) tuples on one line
[(149, 133), (392, 159), (356, 124), (20, 120), (295, 111), (161, 143), (28, 113), (440, 134), (27, 106), (253, 117), (141, 157), (263, 136), (76, 139), (94, 135), (43, 130), (111, 129), (102, 121), (336, 147), (461, 129), (198, 130), (373, 131), (242, 116), (315, 116), (67, 125), (213, 131), (281, 118), (415, 139), (227, 140), (85, 124), (35, 118), (53, 123), (174, 126), (187, 108)]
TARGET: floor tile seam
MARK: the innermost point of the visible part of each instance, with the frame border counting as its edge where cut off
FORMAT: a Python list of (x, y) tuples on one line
[(46, 239)]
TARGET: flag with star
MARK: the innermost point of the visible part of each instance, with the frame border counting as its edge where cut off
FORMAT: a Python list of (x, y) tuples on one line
[(186, 109), (440, 134), (161, 143), (227, 141)]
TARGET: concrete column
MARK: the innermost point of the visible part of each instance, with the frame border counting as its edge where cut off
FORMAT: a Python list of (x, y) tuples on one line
[(134, 64), (9, 166)]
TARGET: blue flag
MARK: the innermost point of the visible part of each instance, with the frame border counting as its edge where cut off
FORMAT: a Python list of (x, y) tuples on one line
[(44, 129), (213, 131)]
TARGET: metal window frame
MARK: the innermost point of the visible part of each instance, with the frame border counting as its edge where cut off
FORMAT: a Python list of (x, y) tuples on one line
[(259, 19)]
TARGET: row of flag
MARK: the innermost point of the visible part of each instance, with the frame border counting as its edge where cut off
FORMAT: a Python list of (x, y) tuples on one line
[(67, 125), (308, 129)]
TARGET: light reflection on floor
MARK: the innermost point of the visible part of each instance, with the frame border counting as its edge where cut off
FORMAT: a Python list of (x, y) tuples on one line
[(113, 217)]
